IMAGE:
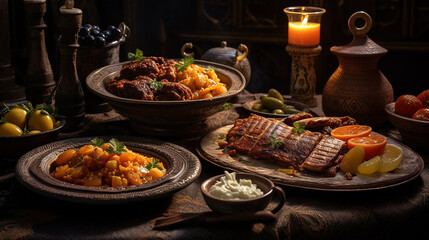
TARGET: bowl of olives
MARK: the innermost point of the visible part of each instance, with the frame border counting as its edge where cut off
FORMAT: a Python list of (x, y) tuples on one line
[(24, 127), (275, 105)]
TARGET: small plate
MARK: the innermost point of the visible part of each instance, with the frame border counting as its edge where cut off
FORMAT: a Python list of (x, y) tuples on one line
[(300, 106), (411, 167), (183, 168)]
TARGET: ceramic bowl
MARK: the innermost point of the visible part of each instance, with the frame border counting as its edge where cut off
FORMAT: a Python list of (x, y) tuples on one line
[(244, 205), (15, 146), (167, 118), (413, 132)]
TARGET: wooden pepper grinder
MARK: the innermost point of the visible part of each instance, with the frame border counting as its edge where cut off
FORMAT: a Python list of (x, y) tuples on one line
[(40, 79), (69, 98)]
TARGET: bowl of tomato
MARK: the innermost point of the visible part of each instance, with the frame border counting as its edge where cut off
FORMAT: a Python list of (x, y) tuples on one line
[(24, 127), (414, 129)]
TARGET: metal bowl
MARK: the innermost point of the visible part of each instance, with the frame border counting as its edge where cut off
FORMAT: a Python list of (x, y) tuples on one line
[(167, 118), (414, 132), (15, 146)]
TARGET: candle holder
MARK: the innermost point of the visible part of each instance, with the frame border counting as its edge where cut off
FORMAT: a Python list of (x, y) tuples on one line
[(303, 46)]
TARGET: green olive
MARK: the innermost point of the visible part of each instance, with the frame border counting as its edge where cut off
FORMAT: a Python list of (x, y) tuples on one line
[(275, 94), (265, 110), (288, 110), (272, 103), (257, 107), (262, 97), (10, 129), (278, 111), (291, 106)]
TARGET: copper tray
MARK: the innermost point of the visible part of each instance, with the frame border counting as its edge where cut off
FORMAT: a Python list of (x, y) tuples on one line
[(411, 167)]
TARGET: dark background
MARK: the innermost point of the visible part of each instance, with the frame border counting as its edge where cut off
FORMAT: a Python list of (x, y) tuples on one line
[(161, 27)]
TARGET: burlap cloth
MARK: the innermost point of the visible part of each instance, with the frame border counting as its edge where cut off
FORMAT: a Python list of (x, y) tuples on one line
[(397, 212)]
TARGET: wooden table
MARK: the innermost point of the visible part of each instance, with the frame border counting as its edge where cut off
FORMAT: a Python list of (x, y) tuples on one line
[(396, 212)]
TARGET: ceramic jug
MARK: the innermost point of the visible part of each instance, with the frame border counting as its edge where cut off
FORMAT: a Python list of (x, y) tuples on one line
[(358, 88)]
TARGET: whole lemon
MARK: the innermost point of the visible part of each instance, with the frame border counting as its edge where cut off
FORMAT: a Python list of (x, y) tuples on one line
[(10, 129), (40, 121), (16, 116)]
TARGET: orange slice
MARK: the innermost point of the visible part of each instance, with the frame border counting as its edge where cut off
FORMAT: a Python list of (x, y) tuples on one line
[(350, 131), (374, 145)]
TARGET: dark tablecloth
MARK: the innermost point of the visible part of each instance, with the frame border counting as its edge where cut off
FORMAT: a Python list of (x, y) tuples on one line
[(396, 212)]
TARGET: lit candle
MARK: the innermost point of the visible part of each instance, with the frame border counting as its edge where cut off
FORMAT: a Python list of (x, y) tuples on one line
[(304, 33), (304, 25)]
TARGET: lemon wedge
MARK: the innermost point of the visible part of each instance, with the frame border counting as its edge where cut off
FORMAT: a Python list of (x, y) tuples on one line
[(391, 158), (369, 167)]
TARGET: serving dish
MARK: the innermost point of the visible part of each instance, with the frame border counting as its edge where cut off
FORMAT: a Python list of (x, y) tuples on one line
[(414, 132), (298, 105), (243, 205), (167, 118), (411, 167), (15, 146), (183, 167)]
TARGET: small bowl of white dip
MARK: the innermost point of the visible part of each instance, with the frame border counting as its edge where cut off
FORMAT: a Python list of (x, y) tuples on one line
[(240, 192)]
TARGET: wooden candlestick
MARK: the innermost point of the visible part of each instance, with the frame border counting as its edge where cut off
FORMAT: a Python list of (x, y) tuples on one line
[(9, 90), (40, 79), (69, 98), (303, 75)]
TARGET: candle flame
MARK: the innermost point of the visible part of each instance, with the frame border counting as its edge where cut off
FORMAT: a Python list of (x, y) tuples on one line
[(304, 21)]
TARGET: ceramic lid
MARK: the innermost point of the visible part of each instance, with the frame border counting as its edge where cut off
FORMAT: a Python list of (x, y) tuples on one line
[(361, 45)]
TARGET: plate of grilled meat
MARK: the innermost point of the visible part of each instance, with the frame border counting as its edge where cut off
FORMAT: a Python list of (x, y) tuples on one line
[(309, 159)]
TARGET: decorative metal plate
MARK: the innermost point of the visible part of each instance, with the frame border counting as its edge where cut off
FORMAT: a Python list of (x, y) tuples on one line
[(411, 167), (183, 168)]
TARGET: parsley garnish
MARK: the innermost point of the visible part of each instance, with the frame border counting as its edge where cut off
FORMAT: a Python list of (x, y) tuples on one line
[(274, 143), (298, 128), (116, 146), (156, 84), (184, 63), (153, 164), (222, 136), (98, 142), (209, 69), (225, 106), (138, 56)]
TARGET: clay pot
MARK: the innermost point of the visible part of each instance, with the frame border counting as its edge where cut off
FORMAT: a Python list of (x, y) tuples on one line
[(358, 88)]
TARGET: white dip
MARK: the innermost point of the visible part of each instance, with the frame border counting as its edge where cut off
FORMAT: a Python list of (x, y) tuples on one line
[(229, 188)]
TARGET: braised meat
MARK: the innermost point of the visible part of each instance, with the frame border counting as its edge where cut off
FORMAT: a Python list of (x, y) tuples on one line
[(140, 88), (136, 89), (270, 139), (173, 91), (152, 67)]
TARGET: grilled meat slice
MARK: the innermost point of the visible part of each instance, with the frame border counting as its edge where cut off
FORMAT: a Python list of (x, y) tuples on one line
[(256, 137), (324, 154), (324, 124), (296, 117), (270, 139)]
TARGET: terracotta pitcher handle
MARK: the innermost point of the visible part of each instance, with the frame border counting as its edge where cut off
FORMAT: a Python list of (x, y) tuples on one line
[(184, 47), (363, 30), (241, 48)]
